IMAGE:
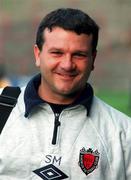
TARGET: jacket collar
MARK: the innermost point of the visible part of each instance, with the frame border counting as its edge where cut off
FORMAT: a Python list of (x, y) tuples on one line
[(32, 99)]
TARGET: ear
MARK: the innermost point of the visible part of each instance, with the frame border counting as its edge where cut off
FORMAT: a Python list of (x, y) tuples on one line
[(37, 55), (93, 59)]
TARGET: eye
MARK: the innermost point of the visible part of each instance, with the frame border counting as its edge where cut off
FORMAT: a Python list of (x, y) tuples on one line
[(56, 53), (80, 55)]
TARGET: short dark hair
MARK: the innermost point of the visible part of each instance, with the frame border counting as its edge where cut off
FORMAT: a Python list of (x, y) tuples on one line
[(68, 19)]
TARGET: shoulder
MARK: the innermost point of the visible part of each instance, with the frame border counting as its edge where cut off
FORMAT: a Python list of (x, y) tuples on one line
[(112, 124), (20, 101), (109, 114)]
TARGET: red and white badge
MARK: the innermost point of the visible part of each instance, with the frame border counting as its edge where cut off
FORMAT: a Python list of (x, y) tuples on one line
[(88, 160)]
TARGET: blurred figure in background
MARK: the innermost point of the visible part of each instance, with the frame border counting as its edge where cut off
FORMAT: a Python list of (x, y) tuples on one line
[(4, 81)]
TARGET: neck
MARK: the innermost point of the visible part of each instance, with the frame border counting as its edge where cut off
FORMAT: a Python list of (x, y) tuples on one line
[(57, 98)]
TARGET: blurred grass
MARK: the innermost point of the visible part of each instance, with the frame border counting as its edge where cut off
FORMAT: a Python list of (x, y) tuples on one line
[(119, 100)]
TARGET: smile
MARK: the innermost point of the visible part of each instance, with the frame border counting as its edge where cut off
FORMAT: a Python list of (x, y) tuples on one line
[(67, 76)]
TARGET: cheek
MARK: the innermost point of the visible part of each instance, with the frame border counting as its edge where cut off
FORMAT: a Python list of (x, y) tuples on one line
[(47, 65), (85, 70), (84, 66)]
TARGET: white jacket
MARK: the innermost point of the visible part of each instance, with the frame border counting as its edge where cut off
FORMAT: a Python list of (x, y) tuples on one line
[(104, 138)]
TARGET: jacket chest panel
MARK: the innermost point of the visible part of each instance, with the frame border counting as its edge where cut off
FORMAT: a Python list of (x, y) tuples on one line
[(28, 147), (30, 150)]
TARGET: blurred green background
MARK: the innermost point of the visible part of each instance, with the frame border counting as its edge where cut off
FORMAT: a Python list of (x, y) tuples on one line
[(111, 78), (118, 99)]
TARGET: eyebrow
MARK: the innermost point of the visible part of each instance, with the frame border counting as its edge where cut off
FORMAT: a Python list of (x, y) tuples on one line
[(56, 49), (82, 52), (76, 51)]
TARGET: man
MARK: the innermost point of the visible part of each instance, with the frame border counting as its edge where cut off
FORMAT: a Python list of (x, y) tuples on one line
[(59, 129)]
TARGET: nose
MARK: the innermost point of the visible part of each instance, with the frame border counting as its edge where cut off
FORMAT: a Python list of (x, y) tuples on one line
[(67, 63)]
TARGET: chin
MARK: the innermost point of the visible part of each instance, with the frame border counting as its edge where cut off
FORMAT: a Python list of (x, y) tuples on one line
[(67, 92)]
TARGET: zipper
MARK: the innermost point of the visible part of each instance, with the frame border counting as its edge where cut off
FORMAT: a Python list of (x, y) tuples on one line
[(56, 125)]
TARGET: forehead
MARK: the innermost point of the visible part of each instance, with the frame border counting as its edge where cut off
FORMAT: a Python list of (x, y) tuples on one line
[(61, 37)]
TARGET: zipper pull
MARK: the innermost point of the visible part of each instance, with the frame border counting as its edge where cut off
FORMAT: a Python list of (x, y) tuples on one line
[(56, 124)]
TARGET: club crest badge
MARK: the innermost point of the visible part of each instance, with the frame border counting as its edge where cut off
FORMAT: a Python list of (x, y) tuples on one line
[(88, 160)]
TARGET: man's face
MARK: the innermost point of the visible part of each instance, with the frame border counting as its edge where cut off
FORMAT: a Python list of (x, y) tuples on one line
[(65, 61)]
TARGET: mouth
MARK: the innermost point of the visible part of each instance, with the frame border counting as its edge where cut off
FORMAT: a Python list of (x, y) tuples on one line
[(67, 76)]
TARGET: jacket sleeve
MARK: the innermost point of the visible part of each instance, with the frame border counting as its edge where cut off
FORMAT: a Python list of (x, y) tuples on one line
[(127, 152)]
